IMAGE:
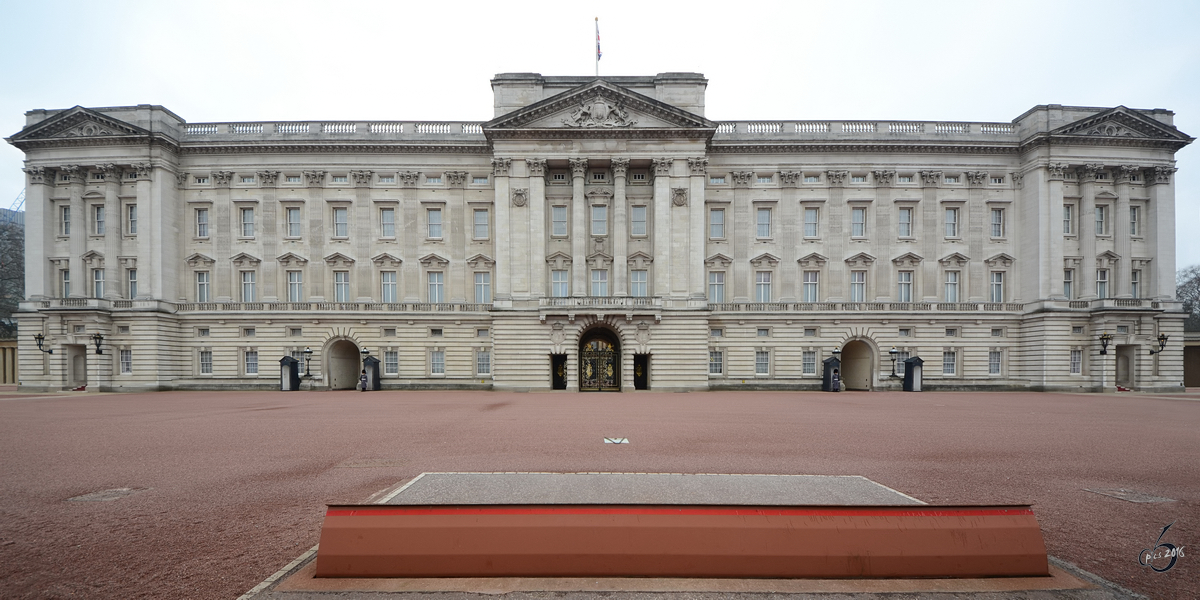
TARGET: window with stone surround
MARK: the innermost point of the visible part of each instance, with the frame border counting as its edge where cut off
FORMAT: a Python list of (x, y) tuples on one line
[(951, 286), (341, 222), (250, 362), (248, 283), (558, 221), (294, 226), (247, 222), (716, 223), (437, 290), (716, 286), (202, 222), (387, 286), (482, 227), (600, 282), (858, 221), (64, 227), (341, 286), (762, 286), (131, 219), (483, 288), (812, 222), (904, 286), (433, 218), (387, 222), (1101, 283), (1101, 219), (952, 222), (858, 286), (437, 362), (483, 362), (560, 283), (762, 363), (599, 220), (1068, 223), (716, 362), (637, 283), (811, 289), (97, 219), (202, 286), (904, 217), (997, 222), (996, 287), (1134, 221), (763, 222), (637, 220)]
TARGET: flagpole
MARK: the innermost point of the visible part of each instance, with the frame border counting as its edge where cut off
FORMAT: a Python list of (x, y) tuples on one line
[(597, 46)]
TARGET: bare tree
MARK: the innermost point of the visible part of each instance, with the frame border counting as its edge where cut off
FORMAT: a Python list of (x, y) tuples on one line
[(12, 275), (1187, 289)]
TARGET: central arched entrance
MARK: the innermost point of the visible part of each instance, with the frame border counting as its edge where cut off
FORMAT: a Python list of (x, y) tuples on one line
[(599, 362), (856, 365), (343, 368)]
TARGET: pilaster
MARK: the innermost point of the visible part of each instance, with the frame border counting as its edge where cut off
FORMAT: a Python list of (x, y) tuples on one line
[(1122, 236), (620, 230), (1162, 230), (698, 167), (504, 198), (115, 229), (40, 222), (1054, 234), (579, 219), (662, 226), (536, 168), (80, 222), (1086, 278)]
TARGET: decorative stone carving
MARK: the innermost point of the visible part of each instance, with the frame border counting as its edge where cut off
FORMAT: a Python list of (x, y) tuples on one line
[(409, 178), (884, 178), (955, 260), (619, 166), (930, 178), (599, 112), (579, 166), (181, 178), (559, 260), (143, 171), (643, 333), (907, 260), (315, 178), (337, 259), (268, 178), (1018, 179), (433, 261), (812, 261), (73, 172), (662, 166), (1163, 174), (199, 260), (718, 260), (764, 261), (977, 178), (862, 259), (222, 178), (290, 259), (362, 178), (598, 259), (742, 179), (1088, 172), (836, 178), (1107, 259), (243, 260), (679, 196), (1000, 260), (597, 245), (698, 166), (1125, 173), (520, 196), (791, 178), (500, 166), (1057, 170), (599, 195), (36, 174), (639, 260), (480, 262), (93, 259), (557, 335), (387, 260), (456, 179), (536, 166)]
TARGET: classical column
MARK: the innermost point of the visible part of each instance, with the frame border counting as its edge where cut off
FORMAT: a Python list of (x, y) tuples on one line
[(409, 211), (1054, 233), (318, 234), (1161, 236), (579, 219), (1122, 242), (696, 220), (146, 252), (504, 266), (40, 224), (884, 274), (113, 277), (80, 221), (366, 277), (1086, 279), (933, 233), (536, 168), (620, 229), (662, 226)]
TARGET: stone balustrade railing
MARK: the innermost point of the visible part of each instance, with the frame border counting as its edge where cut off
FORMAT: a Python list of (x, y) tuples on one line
[(866, 307), (366, 130), (602, 301), (885, 129)]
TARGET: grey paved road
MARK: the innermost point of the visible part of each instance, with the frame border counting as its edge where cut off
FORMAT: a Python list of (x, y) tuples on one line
[(227, 488)]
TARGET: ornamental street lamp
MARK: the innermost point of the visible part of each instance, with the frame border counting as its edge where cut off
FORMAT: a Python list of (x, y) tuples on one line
[(40, 339), (365, 353), (307, 357), (98, 339), (1162, 344), (1105, 339), (893, 353)]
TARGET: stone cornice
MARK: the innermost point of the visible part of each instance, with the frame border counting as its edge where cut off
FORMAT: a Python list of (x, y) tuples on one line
[(480, 148), (861, 147)]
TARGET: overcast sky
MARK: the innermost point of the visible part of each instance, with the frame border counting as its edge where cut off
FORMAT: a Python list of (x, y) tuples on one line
[(257, 60)]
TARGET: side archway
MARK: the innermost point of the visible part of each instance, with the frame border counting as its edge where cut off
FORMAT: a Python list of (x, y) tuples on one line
[(858, 359), (342, 365)]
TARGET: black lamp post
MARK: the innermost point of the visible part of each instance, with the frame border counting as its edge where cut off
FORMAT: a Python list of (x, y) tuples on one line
[(1105, 339), (1162, 344), (98, 339), (893, 353), (365, 353), (41, 339), (307, 358)]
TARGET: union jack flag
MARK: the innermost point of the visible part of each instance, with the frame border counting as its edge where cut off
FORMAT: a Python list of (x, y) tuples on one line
[(598, 54)]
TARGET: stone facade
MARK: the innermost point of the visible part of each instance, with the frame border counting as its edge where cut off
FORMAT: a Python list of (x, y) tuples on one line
[(600, 217)]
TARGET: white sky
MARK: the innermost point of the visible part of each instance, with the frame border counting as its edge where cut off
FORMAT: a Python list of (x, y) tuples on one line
[(295, 60)]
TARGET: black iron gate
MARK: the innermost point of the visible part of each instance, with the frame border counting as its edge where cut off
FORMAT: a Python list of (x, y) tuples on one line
[(599, 367)]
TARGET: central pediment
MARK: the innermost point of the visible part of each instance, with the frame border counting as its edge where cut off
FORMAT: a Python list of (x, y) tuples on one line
[(598, 108)]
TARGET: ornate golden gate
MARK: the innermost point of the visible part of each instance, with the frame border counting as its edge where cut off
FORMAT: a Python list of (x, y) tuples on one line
[(599, 366)]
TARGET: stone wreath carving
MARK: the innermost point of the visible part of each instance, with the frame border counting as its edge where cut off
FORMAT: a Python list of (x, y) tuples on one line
[(520, 196), (679, 196)]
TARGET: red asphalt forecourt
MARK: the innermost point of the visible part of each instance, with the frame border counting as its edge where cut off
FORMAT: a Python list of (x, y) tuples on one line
[(232, 486)]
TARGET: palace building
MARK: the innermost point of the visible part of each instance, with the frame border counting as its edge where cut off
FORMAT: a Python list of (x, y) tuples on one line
[(601, 234)]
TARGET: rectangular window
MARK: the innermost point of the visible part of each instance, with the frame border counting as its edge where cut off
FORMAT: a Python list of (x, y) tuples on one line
[(131, 219), (811, 222), (247, 179), (997, 222), (558, 177), (812, 286), (812, 179), (637, 283), (641, 176), (598, 176), (949, 362), (66, 220), (858, 286), (126, 362), (434, 217), (762, 363), (341, 286), (436, 287), (951, 286), (1101, 220), (900, 358), (202, 286), (717, 180), (482, 228), (560, 286), (295, 281), (997, 180), (716, 361), (1068, 279), (391, 362), (905, 332), (951, 222), (293, 221), (599, 282), (1135, 283), (762, 286), (1077, 362), (764, 332), (904, 179), (765, 179), (716, 223), (98, 217), (131, 279), (858, 179), (997, 287), (808, 362), (247, 222), (858, 222), (66, 283), (252, 362), (483, 288), (716, 332), (950, 179), (904, 283), (201, 222), (599, 220), (1067, 210), (994, 362), (433, 180), (764, 223), (206, 362), (558, 220), (387, 286), (951, 332), (341, 222), (906, 222), (1133, 221), (1101, 283), (292, 178), (97, 283), (387, 222), (437, 363), (716, 286), (637, 222), (201, 180), (479, 180), (247, 286), (483, 362)]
